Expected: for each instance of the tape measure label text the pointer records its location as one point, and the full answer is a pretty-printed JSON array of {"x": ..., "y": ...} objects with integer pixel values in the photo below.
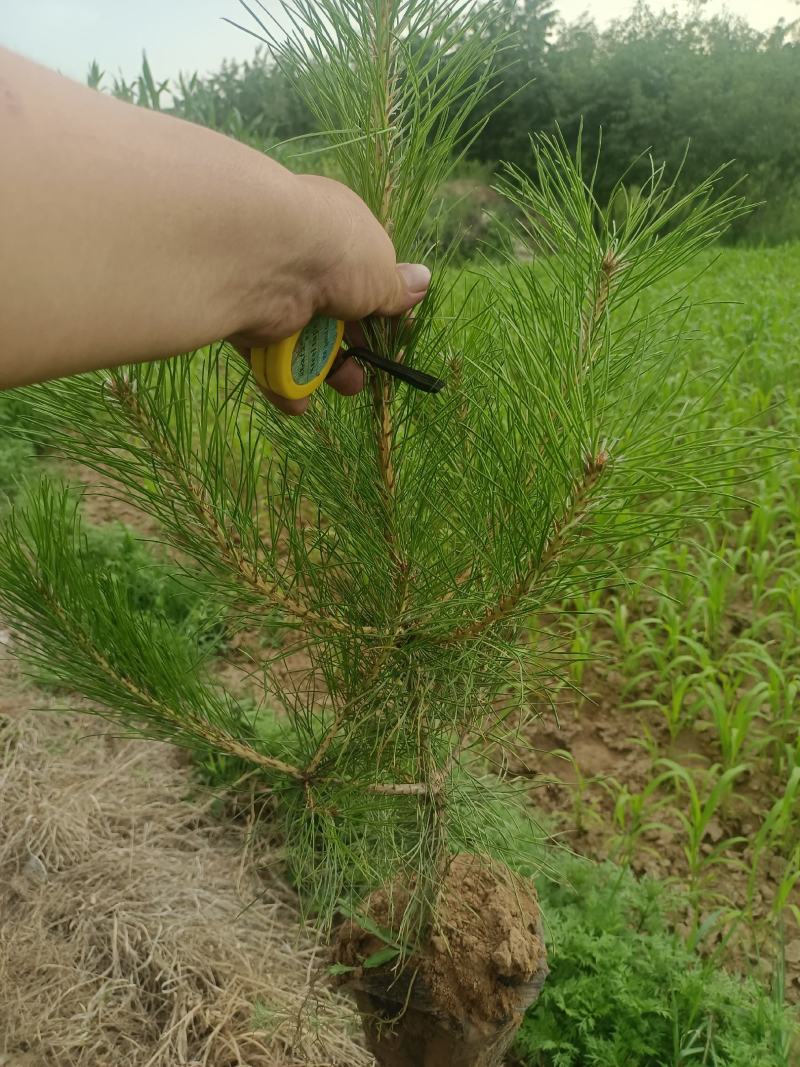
[{"x": 313, "y": 348}]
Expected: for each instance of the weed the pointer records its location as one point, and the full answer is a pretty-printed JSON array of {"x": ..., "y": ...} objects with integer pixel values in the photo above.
[{"x": 624, "y": 990}]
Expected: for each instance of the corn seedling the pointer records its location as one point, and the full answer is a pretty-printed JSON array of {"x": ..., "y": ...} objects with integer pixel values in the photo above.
[
  {"x": 682, "y": 693},
  {"x": 578, "y": 789},
  {"x": 701, "y": 854},
  {"x": 778, "y": 831},
  {"x": 634, "y": 816},
  {"x": 783, "y": 903},
  {"x": 733, "y": 710}
]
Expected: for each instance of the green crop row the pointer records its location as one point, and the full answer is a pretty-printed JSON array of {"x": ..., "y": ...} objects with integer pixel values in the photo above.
[{"x": 698, "y": 658}]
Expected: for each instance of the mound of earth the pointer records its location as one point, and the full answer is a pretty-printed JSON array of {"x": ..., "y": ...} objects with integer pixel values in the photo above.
[{"x": 459, "y": 999}]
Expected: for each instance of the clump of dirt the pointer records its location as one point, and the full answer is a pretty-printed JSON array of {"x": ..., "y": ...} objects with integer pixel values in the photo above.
[
  {"x": 488, "y": 944},
  {"x": 134, "y": 928},
  {"x": 462, "y": 995}
]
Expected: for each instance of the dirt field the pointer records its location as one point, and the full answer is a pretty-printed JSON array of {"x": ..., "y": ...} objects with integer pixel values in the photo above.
[{"x": 580, "y": 761}]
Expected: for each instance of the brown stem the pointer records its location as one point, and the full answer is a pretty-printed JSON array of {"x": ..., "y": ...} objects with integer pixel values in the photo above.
[
  {"x": 384, "y": 55},
  {"x": 382, "y": 398},
  {"x": 401, "y": 789},
  {"x": 599, "y": 296},
  {"x": 382, "y": 386}
]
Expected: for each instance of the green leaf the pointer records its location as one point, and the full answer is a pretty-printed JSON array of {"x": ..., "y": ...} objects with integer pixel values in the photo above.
[{"x": 383, "y": 955}]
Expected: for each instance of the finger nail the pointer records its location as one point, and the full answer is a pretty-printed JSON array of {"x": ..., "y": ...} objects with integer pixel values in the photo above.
[{"x": 416, "y": 276}]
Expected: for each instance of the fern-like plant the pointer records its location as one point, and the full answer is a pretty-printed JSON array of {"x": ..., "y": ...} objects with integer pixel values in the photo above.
[{"x": 402, "y": 538}]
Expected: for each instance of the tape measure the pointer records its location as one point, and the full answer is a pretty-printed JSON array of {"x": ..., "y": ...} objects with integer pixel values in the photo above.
[{"x": 295, "y": 367}]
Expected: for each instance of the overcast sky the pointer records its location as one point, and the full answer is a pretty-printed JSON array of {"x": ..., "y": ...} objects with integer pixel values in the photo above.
[{"x": 190, "y": 35}]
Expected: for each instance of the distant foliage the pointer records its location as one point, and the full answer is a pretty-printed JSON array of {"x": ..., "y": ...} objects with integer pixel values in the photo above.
[
  {"x": 470, "y": 218},
  {"x": 651, "y": 82},
  {"x": 250, "y": 100},
  {"x": 664, "y": 83}
]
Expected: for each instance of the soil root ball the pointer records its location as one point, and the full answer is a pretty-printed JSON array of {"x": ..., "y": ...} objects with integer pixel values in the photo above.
[{"x": 460, "y": 999}]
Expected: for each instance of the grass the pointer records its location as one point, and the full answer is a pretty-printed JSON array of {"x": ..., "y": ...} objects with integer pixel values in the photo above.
[
  {"x": 154, "y": 585},
  {"x": 17, "y": 452}
]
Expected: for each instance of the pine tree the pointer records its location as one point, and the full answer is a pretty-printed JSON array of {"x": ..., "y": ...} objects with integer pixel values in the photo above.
[{"x": 402, "y": 538}]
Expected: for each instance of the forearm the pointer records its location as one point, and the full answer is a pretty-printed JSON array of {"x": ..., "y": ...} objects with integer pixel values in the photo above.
[{"x": 127, "y": 235}]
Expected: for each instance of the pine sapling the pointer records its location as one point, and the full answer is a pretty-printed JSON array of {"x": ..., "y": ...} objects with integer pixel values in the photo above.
[{"x": 407, "y": 541}]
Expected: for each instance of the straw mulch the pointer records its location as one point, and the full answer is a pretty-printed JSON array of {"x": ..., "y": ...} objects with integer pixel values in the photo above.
[{"x": 135, "y": 929}]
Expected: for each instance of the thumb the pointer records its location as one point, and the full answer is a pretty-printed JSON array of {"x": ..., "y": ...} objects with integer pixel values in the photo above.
[{"x": 411, "y": 283}]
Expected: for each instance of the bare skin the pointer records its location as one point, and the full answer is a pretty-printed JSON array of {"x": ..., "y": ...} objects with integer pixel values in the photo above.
[{"x": 127, "y": 235}]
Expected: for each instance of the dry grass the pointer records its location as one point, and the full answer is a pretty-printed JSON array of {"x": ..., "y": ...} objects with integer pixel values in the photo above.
[{"x": 123, "y": 938}]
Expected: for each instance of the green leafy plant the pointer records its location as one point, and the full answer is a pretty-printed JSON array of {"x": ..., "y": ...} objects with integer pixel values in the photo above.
[
  {"x": 154, "y": 585},
  {"x": 625, "y": 990},
  {"x": 702, "y": 807},
  {"x": 634, "y": 814},
  {"x": 403, "y": 539}
]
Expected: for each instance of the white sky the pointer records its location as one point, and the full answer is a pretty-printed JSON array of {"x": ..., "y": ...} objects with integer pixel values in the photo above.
[{"x": 190, "y": 35}]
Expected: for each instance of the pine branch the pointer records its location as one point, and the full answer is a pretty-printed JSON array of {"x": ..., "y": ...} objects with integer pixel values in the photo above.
[
  {"x": 191, "y": 490},
  {"x": 599, "y": 297},
  {"x": 342, "y": 715},
  {"x": 211, "y": 737},
  {"x": 58, "y": 610},
  {"x": 574, "y": 515},
  {"x": 384, "y": 58}
]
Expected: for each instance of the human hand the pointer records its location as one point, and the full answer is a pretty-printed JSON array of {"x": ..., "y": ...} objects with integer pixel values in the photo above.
[{"x": 345, "y": 267}]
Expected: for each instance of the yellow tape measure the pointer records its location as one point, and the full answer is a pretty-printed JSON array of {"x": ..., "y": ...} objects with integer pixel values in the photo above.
[{"x": 295, "y": 367}]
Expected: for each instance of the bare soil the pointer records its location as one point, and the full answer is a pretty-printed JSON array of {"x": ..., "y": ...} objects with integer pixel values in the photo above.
[
  {"x": 576, "y": 762},
  {"x": 102, "y": 503}
]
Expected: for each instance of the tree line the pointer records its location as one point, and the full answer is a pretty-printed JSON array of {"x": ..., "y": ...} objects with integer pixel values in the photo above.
[{"x": 696, "y": 92}]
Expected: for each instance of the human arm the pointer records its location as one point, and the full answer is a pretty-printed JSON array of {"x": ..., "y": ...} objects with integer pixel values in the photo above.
[{"x": 130, "y": 235}]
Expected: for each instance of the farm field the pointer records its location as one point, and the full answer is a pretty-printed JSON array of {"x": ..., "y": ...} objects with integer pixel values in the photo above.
[
  {"x": 672, "y": 750},
  {"x": 678, "y": 751}
]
